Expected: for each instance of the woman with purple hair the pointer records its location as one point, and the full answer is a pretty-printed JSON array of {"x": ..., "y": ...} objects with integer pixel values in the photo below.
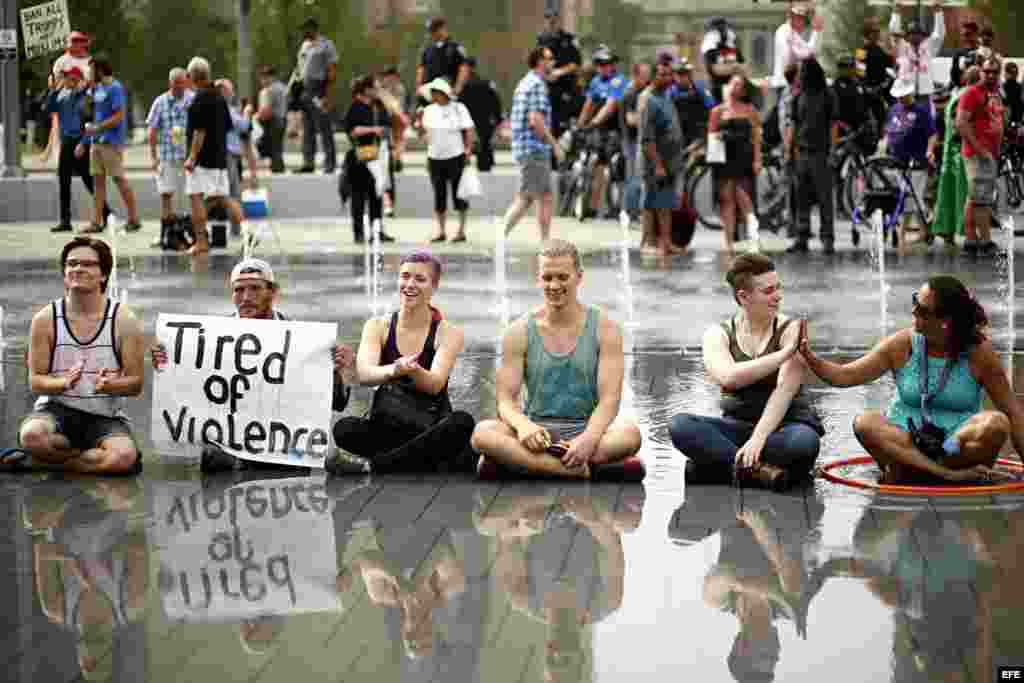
[{"x": 408, "y": 357}]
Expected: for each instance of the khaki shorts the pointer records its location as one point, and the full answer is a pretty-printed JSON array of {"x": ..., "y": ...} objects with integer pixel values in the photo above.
[
  {"x": 981, "y": 180},
  {"x": 170, "y": 177},
  {"x": 107, "y": 160},
  {"x": 535, "y": 175}
]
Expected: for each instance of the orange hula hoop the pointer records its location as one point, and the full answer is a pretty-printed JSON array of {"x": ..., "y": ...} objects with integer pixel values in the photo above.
[{"x": 923, "y": 490}]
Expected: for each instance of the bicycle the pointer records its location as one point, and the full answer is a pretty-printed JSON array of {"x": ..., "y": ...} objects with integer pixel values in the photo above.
[
  {"x": 888, "y": 177},
  {"x": 1010, "y": 182},
  {"x": 772, "y": 188},
  {"x": 576, "y": 174},
  {"x": 850, "y": 159}
]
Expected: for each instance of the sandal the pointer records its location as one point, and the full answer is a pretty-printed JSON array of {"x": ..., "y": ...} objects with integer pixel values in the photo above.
[
  {"x": 91, "y": 229},
  {"x": 458, "y": 238},
  {"x": 439, "y": 238}
]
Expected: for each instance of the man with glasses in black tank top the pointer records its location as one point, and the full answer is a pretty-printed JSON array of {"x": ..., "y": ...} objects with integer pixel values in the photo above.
[
  {"x": 768, "y": 433},
  {"x": 570, "y": 357},
  {"x": 85, "y": 355}
]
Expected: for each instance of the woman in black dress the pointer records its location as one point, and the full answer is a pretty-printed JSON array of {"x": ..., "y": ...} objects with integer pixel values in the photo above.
[{"x": 740, "y": 127}]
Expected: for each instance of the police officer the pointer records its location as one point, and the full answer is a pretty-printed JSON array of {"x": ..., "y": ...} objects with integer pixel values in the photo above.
[
  {"x": 562, "y": 79},
  {"x": 443, "y": 58},
  {"x": 604, "y": 94},
  {"x": 484, "y": 105},
  {"x": 850, "y": 93}
]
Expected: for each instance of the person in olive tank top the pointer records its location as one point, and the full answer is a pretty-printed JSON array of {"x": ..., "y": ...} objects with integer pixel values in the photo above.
[
  {"x": 768, "y": 433},
  {"x": 85, "y": 356},
  {"x": 570, "y": 358}
]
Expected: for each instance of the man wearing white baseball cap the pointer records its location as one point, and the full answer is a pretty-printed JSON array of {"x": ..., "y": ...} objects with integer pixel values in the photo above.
[{"x": 254, "y": 292}]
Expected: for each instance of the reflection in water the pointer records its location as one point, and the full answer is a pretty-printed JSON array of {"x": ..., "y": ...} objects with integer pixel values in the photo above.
[
  {"x": 244, "y": 551},
  {"x": 760, "y": 575},
  {"x": 90, "y": 564},
  {"x": 559, "y": 561},
  {"x": 939, "y": 572}
]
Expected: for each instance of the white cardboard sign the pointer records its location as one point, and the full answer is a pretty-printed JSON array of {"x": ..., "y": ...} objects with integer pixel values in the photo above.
[
  {"x": 45, "y": 28},
  {"x": 256, "y": 549},
  {"x": 261, "y": 389}
]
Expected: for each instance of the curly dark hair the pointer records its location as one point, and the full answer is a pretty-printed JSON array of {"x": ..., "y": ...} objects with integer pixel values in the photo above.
[{"x": 967, "y": 318}]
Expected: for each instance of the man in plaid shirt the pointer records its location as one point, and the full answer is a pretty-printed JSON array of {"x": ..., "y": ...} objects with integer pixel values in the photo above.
[
  {"x": 533, "y": 143},
  {"x": 168, "y": 120}
]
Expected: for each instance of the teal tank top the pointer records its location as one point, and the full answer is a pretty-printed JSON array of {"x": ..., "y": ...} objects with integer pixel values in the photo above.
[
  {"x": 954, "y": 405},
  {"x": 562, "y": 385}
]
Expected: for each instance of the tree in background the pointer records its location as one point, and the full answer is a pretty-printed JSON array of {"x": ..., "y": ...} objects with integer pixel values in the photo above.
[{"x": 845, "y": 28}]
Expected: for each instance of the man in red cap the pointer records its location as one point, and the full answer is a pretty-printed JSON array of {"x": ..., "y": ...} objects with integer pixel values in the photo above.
[{"x": 76, "y": 54}]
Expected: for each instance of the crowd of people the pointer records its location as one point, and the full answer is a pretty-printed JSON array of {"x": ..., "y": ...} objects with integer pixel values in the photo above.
[{"x": 883, "y": 96}]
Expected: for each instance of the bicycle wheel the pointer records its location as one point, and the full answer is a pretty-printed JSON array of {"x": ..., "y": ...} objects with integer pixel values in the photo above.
[
  {"x": 581, "y": 195},
  {"x": 844, "y": 207},
  {"x": 704, "y": 197},
  {"x": 877, "y": 175},
  {"x": 772, "y": 189},
  {"x": 566, "y": 190}
]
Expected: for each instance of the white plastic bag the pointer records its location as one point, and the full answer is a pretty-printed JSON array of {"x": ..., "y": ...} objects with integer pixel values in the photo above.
[
  {"x": 714, "y": 153},
  {"x": 469, "y": 183}
]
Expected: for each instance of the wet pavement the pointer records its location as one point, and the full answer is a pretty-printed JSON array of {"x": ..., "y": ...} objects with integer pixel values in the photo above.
[{"x": 439, "y": 578}]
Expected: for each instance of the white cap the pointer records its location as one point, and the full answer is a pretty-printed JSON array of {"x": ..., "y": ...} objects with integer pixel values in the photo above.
[
  {"x": 436, "y": 84},
  {"x": 253, "y": 269},
  {"x": 798, "y": 9}
]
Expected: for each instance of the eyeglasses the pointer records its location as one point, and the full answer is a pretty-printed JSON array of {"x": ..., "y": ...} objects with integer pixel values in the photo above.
[
  {"x": 921, "y": 311},
  {"x": 81, "y": 263}
]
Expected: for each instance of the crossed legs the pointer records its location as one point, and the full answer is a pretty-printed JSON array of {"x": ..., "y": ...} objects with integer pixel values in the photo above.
[
  {"x": 981, "y": 438},
  {"x": 496, "y": 440},
  {"x": 114, "y": 454}
]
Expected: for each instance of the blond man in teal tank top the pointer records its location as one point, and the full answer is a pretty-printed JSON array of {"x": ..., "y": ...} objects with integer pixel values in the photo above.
[{"x": 570, "y": 358}]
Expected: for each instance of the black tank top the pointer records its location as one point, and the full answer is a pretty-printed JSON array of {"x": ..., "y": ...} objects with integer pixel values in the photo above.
[
  {"x": 748, "y": 403},
  {"x": 390, "y": 353}
]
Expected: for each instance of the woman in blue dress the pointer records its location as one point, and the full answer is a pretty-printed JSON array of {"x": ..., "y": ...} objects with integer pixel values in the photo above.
[{"x": 934, "y": 426}]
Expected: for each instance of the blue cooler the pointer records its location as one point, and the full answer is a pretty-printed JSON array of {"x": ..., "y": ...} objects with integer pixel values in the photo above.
[{"x": 255, "y": 203}]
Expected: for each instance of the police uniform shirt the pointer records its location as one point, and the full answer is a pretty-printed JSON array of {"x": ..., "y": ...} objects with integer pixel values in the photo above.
[
  {"x": 603, "y": 89},
  {"x": 851, "y": 101},
  {"x": 481, "y": 98},
  {"x": 443, "y": 60},
  {"x": 566, "y": 50}
]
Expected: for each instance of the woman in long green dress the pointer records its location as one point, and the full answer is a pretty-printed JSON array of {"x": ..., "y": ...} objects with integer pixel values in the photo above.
[{"x": 952, "y": 194}]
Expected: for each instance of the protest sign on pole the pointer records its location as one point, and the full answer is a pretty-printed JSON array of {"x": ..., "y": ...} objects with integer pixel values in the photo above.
[
  {"x": 257, "y": 549},
  {"x": 45, "y": 28},
  {"x": 260, "y": 389}
]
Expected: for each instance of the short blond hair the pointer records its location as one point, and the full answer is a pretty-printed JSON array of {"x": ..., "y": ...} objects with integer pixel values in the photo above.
[{"x": 557, "y": 248}]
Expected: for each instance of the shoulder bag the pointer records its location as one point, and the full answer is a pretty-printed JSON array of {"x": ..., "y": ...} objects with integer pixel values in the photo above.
[
  {"x": 369, "y": 151},
  {"x": 400, "y": 407}
]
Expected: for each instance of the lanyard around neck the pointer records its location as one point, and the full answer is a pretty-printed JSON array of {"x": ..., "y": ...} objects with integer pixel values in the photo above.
[{"x": 926, "y": 395}]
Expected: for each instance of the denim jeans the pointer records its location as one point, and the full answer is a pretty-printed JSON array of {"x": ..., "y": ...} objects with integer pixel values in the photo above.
[{"x": 713, "y": 441}]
